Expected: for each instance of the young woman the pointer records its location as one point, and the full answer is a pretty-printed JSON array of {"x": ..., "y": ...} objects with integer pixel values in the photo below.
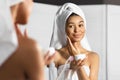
[{"x": 69, "y": 38}]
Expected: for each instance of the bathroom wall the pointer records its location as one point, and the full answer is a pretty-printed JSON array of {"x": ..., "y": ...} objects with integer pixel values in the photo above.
[{"x": 113, "y": 42}]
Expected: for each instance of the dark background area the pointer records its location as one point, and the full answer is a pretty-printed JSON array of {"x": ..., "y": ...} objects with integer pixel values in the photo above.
[{"x": 79, "y": 2}]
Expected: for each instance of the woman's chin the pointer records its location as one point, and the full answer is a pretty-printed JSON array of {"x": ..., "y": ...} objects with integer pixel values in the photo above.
[{"x": 76, "y": 40}]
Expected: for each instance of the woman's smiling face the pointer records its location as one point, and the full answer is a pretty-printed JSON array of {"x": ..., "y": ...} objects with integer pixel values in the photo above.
[{"x": 75, "y": 28}]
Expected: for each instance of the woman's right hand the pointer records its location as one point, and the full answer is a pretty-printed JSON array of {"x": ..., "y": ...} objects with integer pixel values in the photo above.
[
  {"x": 75, "y": 65},
  {"x": 72, "y": 50},
  {"x": 49, "y": 58}
]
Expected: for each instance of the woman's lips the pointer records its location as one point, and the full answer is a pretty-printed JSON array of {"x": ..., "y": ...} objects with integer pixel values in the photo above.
[{"x": 76, "y": 35}]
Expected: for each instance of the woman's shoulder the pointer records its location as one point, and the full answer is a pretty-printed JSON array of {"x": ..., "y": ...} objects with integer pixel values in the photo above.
[
  {"x": 61, "y": 56},
  {"x": 58, "y": 57},
  {"x": 93, "y": 55},
  {"x": 61, "y": 51}
]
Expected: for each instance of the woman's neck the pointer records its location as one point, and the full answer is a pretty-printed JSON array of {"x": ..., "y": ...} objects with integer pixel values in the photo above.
[{"x": 76, "y": 44}]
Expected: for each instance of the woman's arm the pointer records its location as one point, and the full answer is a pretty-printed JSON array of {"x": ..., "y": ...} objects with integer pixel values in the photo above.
[{"x": 94, "y": 67}]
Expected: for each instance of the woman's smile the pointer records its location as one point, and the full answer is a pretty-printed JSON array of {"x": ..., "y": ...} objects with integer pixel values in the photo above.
[{"x": 76, "y": 35}]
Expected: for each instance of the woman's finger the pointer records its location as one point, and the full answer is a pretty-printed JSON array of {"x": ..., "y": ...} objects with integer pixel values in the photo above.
[
  {"x": 46, "y": 55},
  {"x": 83, "y": 62},
  {"x": 71, "y": 47},
  {"x": 70, "y": 51},
  {"x": 18, "y": 31},
  {"x": 70, "y": 43},
  {"x": 49, "y": 58},
  {"x": 78, "y": 62},
  {"x": 77, "y": 65},
  {"x": 26, "y": 33},
  {"x": 85, "y": 59}
]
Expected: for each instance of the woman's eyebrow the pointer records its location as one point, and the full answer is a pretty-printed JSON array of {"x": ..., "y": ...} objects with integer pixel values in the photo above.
[
  {"x": 81, "y": 21},
  {"x": 70, "y": 23}
]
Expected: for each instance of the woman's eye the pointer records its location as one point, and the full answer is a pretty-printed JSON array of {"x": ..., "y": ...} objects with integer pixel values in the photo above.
[
  {"x": 71, "y": 26},
  {"x": 81, "y": 25}
]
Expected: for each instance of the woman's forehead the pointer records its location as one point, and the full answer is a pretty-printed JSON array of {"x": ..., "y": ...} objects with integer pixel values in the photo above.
[{"x": 75, "y": 18}]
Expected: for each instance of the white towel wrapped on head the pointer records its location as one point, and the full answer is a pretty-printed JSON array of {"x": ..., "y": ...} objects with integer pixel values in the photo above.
[{"x": 59, "y": 38}]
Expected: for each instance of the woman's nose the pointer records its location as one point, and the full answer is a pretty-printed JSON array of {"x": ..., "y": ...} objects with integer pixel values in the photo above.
[{"x": 77, "y": 29}]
